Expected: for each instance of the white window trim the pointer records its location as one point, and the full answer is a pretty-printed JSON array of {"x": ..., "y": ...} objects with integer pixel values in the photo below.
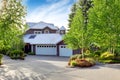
[{"x": 37, "y": 32}]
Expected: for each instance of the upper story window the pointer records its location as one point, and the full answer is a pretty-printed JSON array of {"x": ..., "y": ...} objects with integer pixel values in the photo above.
[
  {"x": 46, "y": 31},
  {"x": 37, "y": 32}
]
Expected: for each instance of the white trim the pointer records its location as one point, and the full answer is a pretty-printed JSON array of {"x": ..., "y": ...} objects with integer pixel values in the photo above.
[
  {"x": 37, "y": 32},
  {"x": 46, "y": 50}
]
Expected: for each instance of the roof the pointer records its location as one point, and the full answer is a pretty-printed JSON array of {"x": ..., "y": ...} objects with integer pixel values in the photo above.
[
  {"x": 62, "y": 28},
  {"x": 43, "y": 39},
  {"x": 42, "y": 25},
  {"x": 30, "y": 24}
]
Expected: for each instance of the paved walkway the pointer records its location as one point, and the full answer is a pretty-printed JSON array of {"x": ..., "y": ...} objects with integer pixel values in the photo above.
[{"x": 54, "y": 68}]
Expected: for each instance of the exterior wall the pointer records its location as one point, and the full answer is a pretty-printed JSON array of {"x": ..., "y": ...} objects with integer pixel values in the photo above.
[
  {"x": 60, "y": 43},
  {"x": 50, "y": 30},
  {"x": 77, "y": 51},
  {"x": 34, "y": 49},
  {"x": 57, "y": 50},
  {"x": 27, "y": 48},
  {"x": 31, "y": 31}
]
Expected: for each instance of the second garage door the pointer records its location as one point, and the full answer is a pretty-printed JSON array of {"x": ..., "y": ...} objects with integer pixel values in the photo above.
[
  {"x": 64, "y": 51},
  {"x": 46, "y": 50}
]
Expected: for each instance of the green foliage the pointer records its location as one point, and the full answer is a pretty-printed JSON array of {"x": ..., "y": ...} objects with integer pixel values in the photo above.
[
  {"x": 12, "y": 25},
  {"x": 104, "y": 22},
  {"x": 115, "y": 61},
  {"x": 73, "y": 63},
  {"x": 105, "y": 61},
  {"x": 1, "y": 56},
  {"x": 78, "y": 26},
  {"x": 76, "y": 56},
  {"x": 107, "y": 56},
  {"x": 31, "y": 53},
  {"x": 17, "y": 54},
  {"x": 91, "y": 60},
  {"x": 72, "y": 14}
]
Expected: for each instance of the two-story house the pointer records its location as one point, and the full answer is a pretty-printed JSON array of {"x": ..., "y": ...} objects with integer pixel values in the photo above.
[{"x": 46, "y": 39}]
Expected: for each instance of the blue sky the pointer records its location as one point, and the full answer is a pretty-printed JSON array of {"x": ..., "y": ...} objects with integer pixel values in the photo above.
[{"x": 50, "y": 11}]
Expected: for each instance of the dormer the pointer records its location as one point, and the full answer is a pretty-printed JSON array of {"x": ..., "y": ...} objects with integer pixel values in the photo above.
[
  {"x": 62, "y": 30},
  {"x": 46, "y": 31}
]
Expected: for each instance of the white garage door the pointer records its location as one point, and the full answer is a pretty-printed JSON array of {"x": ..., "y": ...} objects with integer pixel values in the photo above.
[
  {"x": 46, "y": 50},
  {"x": 64, "y": 51}
]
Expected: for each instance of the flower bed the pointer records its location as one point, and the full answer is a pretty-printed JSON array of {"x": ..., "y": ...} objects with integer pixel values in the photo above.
[{"x": 77, "y": 61}]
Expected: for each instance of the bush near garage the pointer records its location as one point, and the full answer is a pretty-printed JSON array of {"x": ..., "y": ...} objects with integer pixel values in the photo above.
[
  {"x": 31, "y": 53},
  {"x": 17, "y": 54}
]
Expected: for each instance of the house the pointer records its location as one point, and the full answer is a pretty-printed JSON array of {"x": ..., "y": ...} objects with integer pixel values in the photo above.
[{"x": 46, "y": 39}]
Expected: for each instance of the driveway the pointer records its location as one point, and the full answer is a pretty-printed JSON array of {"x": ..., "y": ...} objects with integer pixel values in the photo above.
[{"x": 54, "y": 68}]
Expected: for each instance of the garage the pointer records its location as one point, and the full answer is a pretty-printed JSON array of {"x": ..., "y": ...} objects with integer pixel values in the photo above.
[
  {"x": 46, "y": 50},
  {"x": 64, "y": 51}
]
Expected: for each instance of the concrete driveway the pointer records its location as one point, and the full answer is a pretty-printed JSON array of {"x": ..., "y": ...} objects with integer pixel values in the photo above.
[{"x": 54, "y": 68}]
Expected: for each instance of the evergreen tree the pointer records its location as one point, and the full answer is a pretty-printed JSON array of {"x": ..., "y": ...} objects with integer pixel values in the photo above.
[{"x": 71, "y": 16}]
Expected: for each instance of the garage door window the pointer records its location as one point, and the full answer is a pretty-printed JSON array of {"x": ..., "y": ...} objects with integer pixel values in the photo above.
[
  {"x": 63, "y": 46},
  {"x": 48, "y": 46}
]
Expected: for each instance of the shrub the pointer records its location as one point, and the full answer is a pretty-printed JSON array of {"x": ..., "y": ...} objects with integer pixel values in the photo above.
[
  {"x": 1, "y": 56},
  {"x": 87, "y": 62},
  {"x": 105, "y": 61},
  {"x": 31, "y": 53},
  {"x": 91, "y": 60},
  {"x": 97, "y": 53},
  {"x": 77, "y": 60},
  {"x": 73, "y": 63},
  {"x": 73, "y": 57},
  {"x": 83, "y": 63},
  {"x": 17, "y": 54},
  {"x": 89, "y": 55},
  {"x": 107, "y": 56}
]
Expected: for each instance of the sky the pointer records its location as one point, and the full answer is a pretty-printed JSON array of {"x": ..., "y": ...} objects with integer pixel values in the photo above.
[{"x": 50, "y": 11}]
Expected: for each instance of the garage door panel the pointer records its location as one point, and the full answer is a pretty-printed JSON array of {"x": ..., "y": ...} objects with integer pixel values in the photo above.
[
  {"x": 64, "y": 51},
  {"x": 46, "y": 50}
]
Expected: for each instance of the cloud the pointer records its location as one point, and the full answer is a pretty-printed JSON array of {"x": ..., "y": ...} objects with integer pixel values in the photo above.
[{"x": 56, "y": 13}]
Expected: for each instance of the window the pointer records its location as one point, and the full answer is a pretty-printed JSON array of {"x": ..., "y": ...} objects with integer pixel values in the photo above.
[
  {"x": 46, "y": 31},
  {"x": 32, "y": 36},
  {"x": 37, "y": 32},
  {"x": 63, "y": 46}
]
